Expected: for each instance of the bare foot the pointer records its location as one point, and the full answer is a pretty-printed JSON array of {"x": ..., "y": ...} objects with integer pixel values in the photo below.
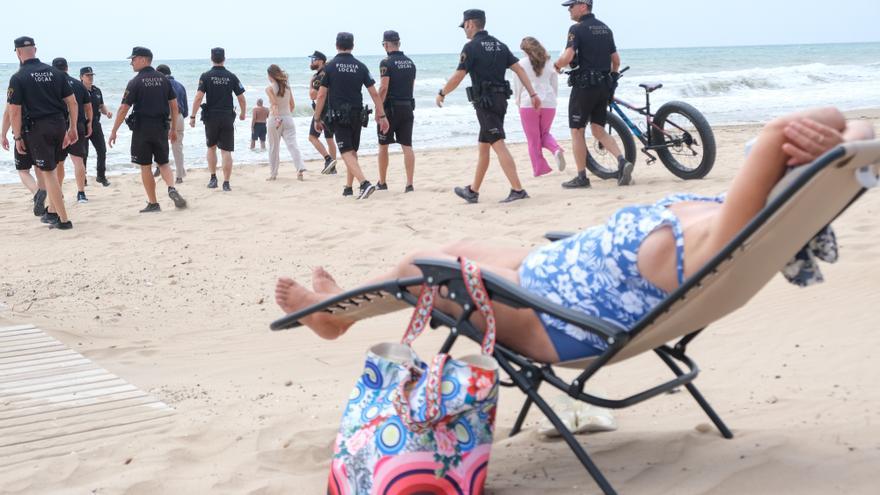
[
  {"x": 323, "y": 282},
  {"x": 291, "y": 297}
]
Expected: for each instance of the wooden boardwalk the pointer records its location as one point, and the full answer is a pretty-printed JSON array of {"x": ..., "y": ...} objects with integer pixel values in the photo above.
[{"x": 54, "y": 401}]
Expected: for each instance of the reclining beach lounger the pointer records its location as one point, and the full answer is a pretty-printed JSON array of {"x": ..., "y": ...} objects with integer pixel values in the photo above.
[{"x": 802, "y": 204}]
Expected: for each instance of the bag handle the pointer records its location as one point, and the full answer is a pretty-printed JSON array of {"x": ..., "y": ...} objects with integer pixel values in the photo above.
[
  {"x": 433, "y": 397},
  {"x": 421, "y": 315},
  {"x": 473, "y": 281}
]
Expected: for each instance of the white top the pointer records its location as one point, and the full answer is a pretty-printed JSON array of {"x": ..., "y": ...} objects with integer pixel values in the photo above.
[
  {"x": 546, "y": 86},
  {"x": 282, "y": 101}
]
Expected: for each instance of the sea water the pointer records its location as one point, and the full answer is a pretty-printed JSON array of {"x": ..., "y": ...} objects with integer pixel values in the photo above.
[{"x": 730, "y": 85}]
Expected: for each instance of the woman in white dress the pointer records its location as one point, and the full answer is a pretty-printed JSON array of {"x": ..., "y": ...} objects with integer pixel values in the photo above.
[{"x": 280, "y": 122}]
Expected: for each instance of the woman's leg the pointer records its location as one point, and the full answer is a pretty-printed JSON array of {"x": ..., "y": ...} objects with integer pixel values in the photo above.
[
  {"x": 547, "y": 139},
  {"x": 289, "y": 134},
  {"x": 274, "y": 148},
  {"x": 532, "y": 127}
]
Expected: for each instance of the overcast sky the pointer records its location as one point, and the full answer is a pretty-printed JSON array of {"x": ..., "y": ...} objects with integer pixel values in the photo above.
[{"x": 105, "y": 30}]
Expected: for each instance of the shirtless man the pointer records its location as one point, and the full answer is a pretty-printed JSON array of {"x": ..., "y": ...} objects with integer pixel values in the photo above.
[{"x": 258, "y": 125}]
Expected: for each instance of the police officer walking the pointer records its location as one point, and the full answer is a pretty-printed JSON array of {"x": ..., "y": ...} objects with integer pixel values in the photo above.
[
  {"x": 318, "y": 61},
  {"x": 344, "y": 76},
  {"x": 87, "y": 76},
  {"x": 154, "y": 102},
  {"x": 80, "y": 149},
  {"x": 591, "y": 46},
  {"x": 217, "y": 87},
  {"x": 182, "y": 114},
  {"x": 398, "y": 79},
  {"x": 38, "y": 97},
  {"x": 486, "y": 60}
]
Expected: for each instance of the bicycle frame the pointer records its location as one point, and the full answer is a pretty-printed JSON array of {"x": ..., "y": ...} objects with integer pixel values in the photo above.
[{"x": 646, "y": 137}]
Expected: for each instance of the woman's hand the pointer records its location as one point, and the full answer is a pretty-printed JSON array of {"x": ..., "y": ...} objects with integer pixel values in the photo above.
[{"x": 808, "y": 140}]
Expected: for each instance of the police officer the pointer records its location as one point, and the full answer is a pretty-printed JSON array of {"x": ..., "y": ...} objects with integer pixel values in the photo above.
[
  {"x": 340, "y": 92},
  {"x": 80, "y": 149},
  {"x": 41, "y": 94},
  {"x": 182, "y": 114},
  {"x": 486, "y": 60},
  {"x": 591, "y": 47},
  {"x": 154, "y": 102},
  {"x": 398, "y": 79},
  {"x": 318, "y": 61},
  {"x": 217, "y": 86},
  {"x": 87, "y": 76},
  {"x": 23, "y": 165}
]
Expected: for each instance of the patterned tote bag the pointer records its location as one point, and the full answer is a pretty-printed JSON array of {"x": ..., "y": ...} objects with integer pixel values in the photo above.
[{"x": 412, "y": 427}]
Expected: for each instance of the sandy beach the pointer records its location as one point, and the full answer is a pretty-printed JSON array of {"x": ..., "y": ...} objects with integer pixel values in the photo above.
[{"x": 179, "y": 305}]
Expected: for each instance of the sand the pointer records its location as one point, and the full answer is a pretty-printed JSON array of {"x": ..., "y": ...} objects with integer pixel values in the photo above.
[{"x": 179, "y": 305}]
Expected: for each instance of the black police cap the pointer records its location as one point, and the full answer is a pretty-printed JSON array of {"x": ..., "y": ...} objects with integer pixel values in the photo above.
[
  {"x": 344, "y": 37},
  {"x": 318, "y": 56},
  {"x": 391, "y": 36},
  {"x": 23, "y": 42},
  {"x": 163, "y": 69},
  {"x": 86, "y": 71},
  {"x": 60, "y": 63},
  {"x": 569, "y": 3},
  {"x": 472, "y": 14},
  {"x": 140, "y": 51}
]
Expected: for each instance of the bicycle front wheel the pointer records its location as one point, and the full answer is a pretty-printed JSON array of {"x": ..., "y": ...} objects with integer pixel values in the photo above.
[
  {"x": 602, "y": 162},
  {"x": 685, "y": 140}
]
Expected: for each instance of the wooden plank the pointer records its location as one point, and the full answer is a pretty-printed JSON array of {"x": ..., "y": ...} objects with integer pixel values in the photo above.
[
  {"x": 15, "y": 328},
  {"x": 36, "y": 362},
  {"x": 49, "y": 347},
  {"x": 29, "y": 357},
  {"x": 10, "y": 444},
  {"x": 22, "y": 370},
  {"x": 16, "y": 377},
  {"x": 14, "y": 387},
  {"x": 61, "y": 426},
  {"x": 108, "y": 381},
  {"x": 83, "y": 410},
  {"x": 71, "y": 404},
  {"x": 18, "y": 346},
  {"x": 22, "y": 334},
  {"x": 72, "y": 396}
]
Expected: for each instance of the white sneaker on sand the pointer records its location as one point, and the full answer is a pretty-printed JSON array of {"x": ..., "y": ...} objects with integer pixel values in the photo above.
[
  {"x": 560, "y": 159},
  {"x": 578, "y": 417}
]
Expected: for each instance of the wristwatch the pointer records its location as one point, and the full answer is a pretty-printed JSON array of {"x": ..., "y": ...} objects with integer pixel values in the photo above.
[
  {"x": 441, "y": 93},
  {"x": 17, "y": 138}
]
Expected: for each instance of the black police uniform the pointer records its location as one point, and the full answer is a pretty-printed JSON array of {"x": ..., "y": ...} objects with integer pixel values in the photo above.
[
  {"x": 591, "y": 82},
  {"x": 81, "y": 147},
  {"x": 486, "y": 60},
  {"x": 23, "y": 161},
  {"x": 97, "y": 137},
  {"x": 316, "y": 85},
  {"x": 40, "y": 89},
  {"x": 218, "y": 111},
  {"x": 344, "y": 76},
  {"x": 150, "y": 94},
  {"x": 399, "y": 103}
]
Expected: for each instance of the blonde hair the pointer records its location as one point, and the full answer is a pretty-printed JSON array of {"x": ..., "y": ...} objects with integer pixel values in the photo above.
[
  {"x": 280, "y": 77},
  {"x": 536, "y": 52}
]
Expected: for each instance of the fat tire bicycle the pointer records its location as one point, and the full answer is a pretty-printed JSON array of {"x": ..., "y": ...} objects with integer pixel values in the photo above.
[{"x": 678, "y": 133}]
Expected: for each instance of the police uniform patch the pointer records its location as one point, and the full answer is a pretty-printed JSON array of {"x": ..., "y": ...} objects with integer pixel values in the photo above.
[
  {"x": 570, "y": 37},
  {"x": 384, "y": 71},
  {"x": 9, "y": 93},
  {"x": 463, "y": 58}
]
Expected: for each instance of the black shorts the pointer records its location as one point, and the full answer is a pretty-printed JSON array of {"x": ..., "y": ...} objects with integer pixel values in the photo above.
[
  {"x": 492, "y": 120},
  {"x": 400, "y": 130},
  {"x": 259, "y": 132},
  {"x": 149, "y": 144},
  {"x": 44, "y": 142},
  {"x": 348, "y": 136},
  {"x": 80, "y": 148},
  {"x": 328, "y": 132},
  {"x": 220, "y": 132},
  {"x": 23, "y": 162},
  {"x": 588, "y": 105}
]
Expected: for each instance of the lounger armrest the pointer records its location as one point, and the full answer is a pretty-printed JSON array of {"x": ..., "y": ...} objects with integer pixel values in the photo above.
[
  {"x": 557, "y": 235},
  {"x": 448, "y": 274}
]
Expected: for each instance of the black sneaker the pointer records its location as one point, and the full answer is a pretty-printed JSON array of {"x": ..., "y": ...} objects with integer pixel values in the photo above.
[
  {"x": 366, "y": 190},
  {"x": 467, "y": 194},
  {"x": 50, "y": 218},
  {"x": 81, "y": 197},
  {"x": 409, "y": 189},
  {"x": 156, "y": 173},
  {"x": 226, "y": 186},
  {"x": 577, "y": 183},
  {"x": 103, "y": 181},
  {"x": 624, "y": 173},
  {"x": 347, "y": 191},
  {"x": 515, "y": 196},
  {"x": 381, "y": 187},
  {"x": 212, "y": 184},
  {"x": 61, "y": 225},
  {"x": 329, "y": 166},
  {"x": 40, "y": 203},
  {"x": 152, "y": 208},
  {"x": 175, "y": 196}
]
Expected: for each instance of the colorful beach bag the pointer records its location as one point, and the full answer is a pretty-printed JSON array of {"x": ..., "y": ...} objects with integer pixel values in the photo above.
[{"x": 412, "y": 427}]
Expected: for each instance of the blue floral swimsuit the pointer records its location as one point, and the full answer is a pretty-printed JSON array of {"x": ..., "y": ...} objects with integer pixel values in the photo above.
[{"x": 596, "y": 271}]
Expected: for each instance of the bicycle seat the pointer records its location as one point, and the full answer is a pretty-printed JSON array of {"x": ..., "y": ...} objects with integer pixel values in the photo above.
[{"x": 651, "y": 87}]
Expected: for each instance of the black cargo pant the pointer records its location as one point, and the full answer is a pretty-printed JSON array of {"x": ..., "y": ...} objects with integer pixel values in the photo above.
[{"x": 97, "y": 139}]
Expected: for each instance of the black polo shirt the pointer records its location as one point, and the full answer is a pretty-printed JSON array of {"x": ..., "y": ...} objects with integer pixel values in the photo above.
[
  {"x": 486, "y": 59},
  {"x": 219, "y": 85},
  {"x": 40, "y": 89},
  {"x": 593, "y": 43},
  {"x": 83, "y": 98},
  {"x": 401, "y": 73},
  {"x": 97, "y": 98},
  {"x": 344, "y": 76},
  {"x": 149, "y": 93}
]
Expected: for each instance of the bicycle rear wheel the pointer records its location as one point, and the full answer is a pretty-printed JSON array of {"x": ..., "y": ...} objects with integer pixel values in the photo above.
[
  {"x": 603, "y": 163},
  {"x": 688, "y": 141}
]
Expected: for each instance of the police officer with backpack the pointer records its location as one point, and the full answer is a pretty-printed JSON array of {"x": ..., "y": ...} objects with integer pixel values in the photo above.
[
  {"x": 592, "y": 51},
  {"x": 486, "y": 60}
]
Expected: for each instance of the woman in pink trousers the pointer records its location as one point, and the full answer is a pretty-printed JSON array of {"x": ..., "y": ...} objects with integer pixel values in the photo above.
[{"x": 536, "y": 123}]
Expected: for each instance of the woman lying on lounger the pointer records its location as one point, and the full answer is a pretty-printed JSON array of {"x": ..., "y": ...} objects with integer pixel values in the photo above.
[{"x": 619, "y": 270}]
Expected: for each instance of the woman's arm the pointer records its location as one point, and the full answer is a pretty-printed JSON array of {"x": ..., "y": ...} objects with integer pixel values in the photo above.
[
  {"x": 273, "y": 101},
  {"x": 292, "y": 104},
  {"x": 517, "y": 91}
]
